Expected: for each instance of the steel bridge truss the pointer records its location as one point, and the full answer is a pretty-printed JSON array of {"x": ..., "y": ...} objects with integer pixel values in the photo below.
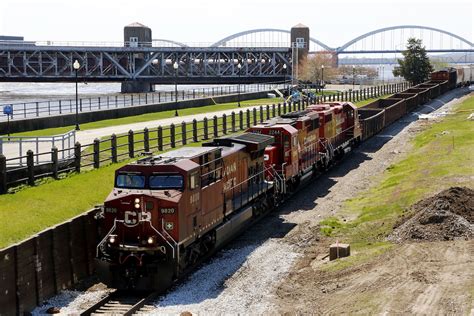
[{"x": 154, "y": 65}]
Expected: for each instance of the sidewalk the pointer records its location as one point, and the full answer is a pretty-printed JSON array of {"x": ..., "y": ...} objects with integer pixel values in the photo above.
[{"x": 88, "y": 136}]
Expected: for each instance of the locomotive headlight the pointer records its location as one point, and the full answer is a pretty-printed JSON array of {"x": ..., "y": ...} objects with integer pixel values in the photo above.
[
  {"x": 137, "y": 200},
  {"x": 137, "y": 205},
  {"x": 111, "y": 239},
  {"x": 150, "y": 240}
]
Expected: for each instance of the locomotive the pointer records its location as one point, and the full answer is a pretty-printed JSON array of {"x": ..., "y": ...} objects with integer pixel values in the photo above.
[{"x": 167, "y": 212}]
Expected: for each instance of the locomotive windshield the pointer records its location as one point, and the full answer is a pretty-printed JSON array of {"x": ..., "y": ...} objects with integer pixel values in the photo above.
[
  {"x": 130, "y": 181},
  {"x": 166, "y": 181}
]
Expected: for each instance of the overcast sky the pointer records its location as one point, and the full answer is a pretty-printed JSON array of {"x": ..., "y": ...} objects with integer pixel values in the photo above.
[{"x": 333, "y": 22}]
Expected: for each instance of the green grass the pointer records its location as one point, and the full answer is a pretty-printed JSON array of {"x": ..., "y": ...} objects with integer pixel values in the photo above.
[
  {"x": 370, "y": 100},
  {"x": 442, "y": 156},
  {"x": 150, "y": 117}
]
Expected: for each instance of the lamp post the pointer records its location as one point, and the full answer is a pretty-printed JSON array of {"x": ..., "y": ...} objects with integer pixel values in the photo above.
[
  {"x": 383, "y": 76},
  {"x": 322, "y": 82},
  {"x": 239, "y": 66},
  {"x": 175, "y": 66},
  {"x": 284, "y": 80},
  {"x": 353, "y": 77},
  {"x": 76, "y": 67}
]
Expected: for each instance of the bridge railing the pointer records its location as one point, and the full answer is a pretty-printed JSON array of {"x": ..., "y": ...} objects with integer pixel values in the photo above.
[
  {"x": 153, "y": 43},
  {"x": 35, "y": 109}
]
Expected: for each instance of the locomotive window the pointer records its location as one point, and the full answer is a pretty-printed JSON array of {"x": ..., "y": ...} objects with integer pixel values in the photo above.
[
  {"x": 130, "y": 181},
  {"x": 166, "y": 181},
  {"x": 193, "y": 181}
]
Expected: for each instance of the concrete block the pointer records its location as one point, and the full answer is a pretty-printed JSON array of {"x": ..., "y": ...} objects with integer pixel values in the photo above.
[{"x": 339, "y": 251}]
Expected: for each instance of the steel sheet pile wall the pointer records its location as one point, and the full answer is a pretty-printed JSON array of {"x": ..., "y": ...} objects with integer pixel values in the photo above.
[{"x": 42, "y": 266}]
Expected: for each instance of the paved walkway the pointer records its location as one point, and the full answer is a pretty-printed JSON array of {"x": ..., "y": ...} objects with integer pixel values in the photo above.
[{"x": 88, "y": 136}]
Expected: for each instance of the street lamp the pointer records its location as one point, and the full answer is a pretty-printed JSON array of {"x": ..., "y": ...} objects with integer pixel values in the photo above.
[
  {"x": 284, "y": 81},
  {"x": 383, "y": 76},
  {"x": 353, "y": 77},
  {"x": 175, "y": 66},
  {"x": 76, "y": 67},
  {"x": 322, "y": 82},
  {"x": 239, "y": 66}
]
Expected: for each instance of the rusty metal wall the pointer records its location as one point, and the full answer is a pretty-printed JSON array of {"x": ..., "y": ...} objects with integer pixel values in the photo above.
[{"x": 36, "y": 269}]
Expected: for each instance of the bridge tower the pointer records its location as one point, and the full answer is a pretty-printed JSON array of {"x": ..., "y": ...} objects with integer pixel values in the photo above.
[
  {"x": 299, "y": 46},
  {"x": 137, "y": 35}
]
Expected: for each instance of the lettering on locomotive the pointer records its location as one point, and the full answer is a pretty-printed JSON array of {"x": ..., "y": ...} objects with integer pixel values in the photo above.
[
  {"x": 132, "y": 218},
  {"x": 167, "y": 210}
]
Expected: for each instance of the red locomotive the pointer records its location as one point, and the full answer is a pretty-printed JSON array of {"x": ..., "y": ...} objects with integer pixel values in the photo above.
[{"x": 168, "y": 211}]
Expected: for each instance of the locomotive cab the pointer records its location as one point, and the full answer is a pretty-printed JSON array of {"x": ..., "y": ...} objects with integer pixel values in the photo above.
[{"x": 282, "y": 155}]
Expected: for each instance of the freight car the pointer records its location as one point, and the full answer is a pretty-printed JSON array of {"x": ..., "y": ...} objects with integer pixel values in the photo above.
[{"x": 167, "y": 212}]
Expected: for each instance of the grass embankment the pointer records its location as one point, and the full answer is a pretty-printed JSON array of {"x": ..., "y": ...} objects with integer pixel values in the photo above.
[
  {"x": 151, "y": 117},
  {"x": 33, "y": 209},
  {"x": 365, "y": 102},
  {"x": 442, "y": 157}
]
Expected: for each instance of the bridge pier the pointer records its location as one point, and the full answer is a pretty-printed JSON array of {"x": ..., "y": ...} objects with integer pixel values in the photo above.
[{"x": 137, "y": 87}]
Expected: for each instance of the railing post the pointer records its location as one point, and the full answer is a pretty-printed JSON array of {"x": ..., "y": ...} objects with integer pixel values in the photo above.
[
  {"x": 3, "y": 174},
  {"x": 54, "y": 159},
  {"x": 216, "y": 131},
  {"x": 268, "y": 112},
  {"x": 284, "y": 107},
  {"x": 279, "y": 109},
  {"x": 273, "y": 110},
  {"x": 96, "y": 153},
  {"x": 131, "y": 144},
  {"x": 261, "y": 113},
  {"x": 195, "y": 131},
  {"x": 146, "y": 139},
  {"x": 241, "y": 120},
  {"x": 248, "y": 118},
  {"x": 37, "y": 108},
  {"x": 113, "y": 148},
  {"x": 60, "y": 107},
  {"x": 30, "y": 163},
  {"x": 184, "y": 136},
  {"x": 254, "y": 112},
  {"x": 160, "y": 138},
  {"x": 172, "y": 135},
  {"x": 232, "y": 121},
  {"x": 77, "y": 157},
  {"x": 224, "y": 124},
  {"x": 206, "y": 128},
  {"x": 299, "y": 105}
]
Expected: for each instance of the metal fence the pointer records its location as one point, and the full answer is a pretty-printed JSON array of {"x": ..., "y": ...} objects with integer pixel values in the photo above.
[
  {"x": 104, "y": 102},
  {"x": 135, "y": 143},
  {"x": 18, "y": 146}
]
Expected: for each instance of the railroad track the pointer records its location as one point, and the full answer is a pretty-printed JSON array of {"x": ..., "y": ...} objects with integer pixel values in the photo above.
[{"x": 122, "y": 303}]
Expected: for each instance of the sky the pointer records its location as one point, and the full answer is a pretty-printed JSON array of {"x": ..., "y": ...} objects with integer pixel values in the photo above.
[{"x": 333, "y": 22}]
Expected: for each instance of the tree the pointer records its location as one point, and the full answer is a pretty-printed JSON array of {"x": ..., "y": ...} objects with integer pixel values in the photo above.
[
  {"x": 310, "y": 68},
  {"x": 416, "y": 66}
]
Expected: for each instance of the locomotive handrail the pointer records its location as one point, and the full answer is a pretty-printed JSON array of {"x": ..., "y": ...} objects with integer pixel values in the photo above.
[
  {"x": 163, "y": 228},
  {"x": 106, "y": 236}
]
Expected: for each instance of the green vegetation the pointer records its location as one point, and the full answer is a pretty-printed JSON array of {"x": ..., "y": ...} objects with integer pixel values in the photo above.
[
  {"x": 150, "y": 117},
  {"x": 442, "y": 156},
  {"x": 365, "y": 102},
  {"x": 415, "y": 66}
]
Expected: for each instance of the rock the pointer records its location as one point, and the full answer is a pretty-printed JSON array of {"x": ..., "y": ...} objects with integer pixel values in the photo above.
[{"x": 53, "y": 310}]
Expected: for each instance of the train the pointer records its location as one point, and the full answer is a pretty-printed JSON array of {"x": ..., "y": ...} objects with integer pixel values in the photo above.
[{"x": 168, "y": 212}]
